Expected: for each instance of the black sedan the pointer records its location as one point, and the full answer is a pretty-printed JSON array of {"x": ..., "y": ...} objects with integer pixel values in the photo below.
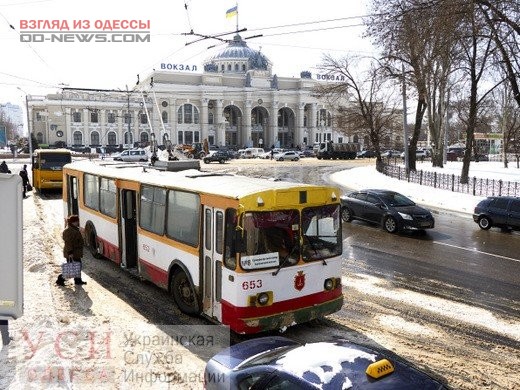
[
  {"x": 389, "y": 209},
  {"x": 280, "y": 363}
]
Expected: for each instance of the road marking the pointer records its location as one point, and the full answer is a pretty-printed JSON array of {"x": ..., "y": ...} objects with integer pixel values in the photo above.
[{"x": 477, "y": 251}]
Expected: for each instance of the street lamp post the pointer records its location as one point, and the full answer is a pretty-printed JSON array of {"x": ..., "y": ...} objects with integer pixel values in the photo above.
[{"x": 28, "y": 125}]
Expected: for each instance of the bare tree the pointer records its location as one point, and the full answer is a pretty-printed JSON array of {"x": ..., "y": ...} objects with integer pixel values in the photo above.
[
  {"x": 421, "y": 35},
  {"x": 365, "y": 103},
  {"x": 502, "y": 18},
  {"x": 508, "y": 120}
]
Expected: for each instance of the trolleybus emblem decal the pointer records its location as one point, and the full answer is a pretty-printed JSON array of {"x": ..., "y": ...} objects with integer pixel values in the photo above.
[{"x": 299, "y": 281}]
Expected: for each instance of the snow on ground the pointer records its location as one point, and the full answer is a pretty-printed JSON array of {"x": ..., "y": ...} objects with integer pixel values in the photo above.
[
  {"x": 79, "y": 338},
  {"x": 368, "y": 177}
]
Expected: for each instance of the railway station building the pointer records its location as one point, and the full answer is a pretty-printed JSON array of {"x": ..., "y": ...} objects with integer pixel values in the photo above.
[{"x": 234, "y": 101}]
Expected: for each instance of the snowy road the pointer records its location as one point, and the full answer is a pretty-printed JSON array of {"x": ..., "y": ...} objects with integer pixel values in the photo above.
[{"x": 438, "y": 326}]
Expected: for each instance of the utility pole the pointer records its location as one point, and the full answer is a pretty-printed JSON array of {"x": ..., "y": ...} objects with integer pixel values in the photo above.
[
  {"x": 129, "y": 116},
  {"x": 28, "y": 125}
]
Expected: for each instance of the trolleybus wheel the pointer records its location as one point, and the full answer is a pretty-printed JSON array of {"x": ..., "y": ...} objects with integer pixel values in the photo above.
[
  {"x": 91, "y": 241},
  {"x": 184, "y": 294}
]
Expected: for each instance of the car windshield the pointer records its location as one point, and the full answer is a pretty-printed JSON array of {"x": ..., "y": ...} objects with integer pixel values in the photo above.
[
  {"x": 54, "y": 161},
  {"x": 396, "y": 200}
]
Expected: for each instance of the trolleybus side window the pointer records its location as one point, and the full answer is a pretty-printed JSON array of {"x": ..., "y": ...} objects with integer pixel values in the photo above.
[
  {"x": 152, "y": 210},
  {"x": 183, "y": 217},
  {"x": 107, "y": 197},
  {"x": 91, "y": 192},
  {"x": 219, "y": 234},
  {"x": 100, "y": 194}
]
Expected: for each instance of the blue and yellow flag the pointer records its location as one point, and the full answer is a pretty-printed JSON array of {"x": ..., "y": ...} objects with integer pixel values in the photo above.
[{"x": 232, "y": 12}]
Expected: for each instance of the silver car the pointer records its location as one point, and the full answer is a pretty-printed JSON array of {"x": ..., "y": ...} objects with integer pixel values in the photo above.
[{"x": 132, "y": 155}]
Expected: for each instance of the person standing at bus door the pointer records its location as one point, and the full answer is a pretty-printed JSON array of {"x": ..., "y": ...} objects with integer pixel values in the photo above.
[
  {"x": 73, "y": 246},
  {"x": 25, "y": 179}
]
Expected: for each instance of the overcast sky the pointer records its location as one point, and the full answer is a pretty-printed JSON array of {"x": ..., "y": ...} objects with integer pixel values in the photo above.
[{"x": 41, "y": 67}]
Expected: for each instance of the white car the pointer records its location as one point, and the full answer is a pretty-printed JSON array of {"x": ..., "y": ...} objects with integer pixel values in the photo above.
[
  {"x": 288, "y": 155},
  {"x": 132, "y": 155}
]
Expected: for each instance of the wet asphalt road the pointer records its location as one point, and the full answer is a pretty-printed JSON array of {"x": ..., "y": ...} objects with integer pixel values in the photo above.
[{"x": 482, "y": 266}]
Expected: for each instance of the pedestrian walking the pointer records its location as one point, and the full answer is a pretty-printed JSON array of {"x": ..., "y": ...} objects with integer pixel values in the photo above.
[
  {"x": 73, "y": 247},
  {"x": 25, "y": 180}
]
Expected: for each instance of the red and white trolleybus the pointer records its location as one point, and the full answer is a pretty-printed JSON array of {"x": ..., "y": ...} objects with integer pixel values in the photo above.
[{"x": 254, "y": 254}]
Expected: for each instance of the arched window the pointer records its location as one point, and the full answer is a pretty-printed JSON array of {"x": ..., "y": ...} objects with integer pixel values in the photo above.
[
  {"x": 112, "y": 138},
  {"x": 210, "y": 118},
  {"x": 188, "y": 113},
  {"x": 144, "y": 137},
  {"x": 236, "y": 67},
  {"x": 243, "y": 67},
  {"x": 229, "y": 67},
  {"x": 128, "y": 138},
  {"x": 143, "y": 119},
  {"x": 164, "y": 116},
  {"x": 94, "y": 138},
  {"x": 77, "y": 138}
]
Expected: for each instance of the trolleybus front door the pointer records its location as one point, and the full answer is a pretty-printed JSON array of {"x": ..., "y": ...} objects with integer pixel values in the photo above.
[
  {"x": 72, "y": 195},
  {"x": 213, "y": 242},
  {"x": 128, "y": 232}
]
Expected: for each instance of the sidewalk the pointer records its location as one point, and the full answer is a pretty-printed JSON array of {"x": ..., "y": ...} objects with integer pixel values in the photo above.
[{"x": 464, "y": 204}]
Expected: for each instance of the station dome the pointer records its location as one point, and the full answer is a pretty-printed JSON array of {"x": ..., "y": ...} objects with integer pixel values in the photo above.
[{"x": 237, "y": 57}]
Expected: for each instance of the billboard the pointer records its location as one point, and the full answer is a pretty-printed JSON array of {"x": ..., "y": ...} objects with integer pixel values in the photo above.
[
  {"x": 11, "y": 264},
  {"x": 3, "y": 136}
]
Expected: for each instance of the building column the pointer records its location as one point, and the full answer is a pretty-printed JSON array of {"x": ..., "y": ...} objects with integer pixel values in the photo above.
[
  {"x": 273, "y": 131},
  {"x": 312, "y": 127},
  {"x": 86, "y": 132},
  {"x": 103, "y": 137},
  {"x": 173, "y": 122},
  {"x": 221, "y": 131},
  {"x": 68, "y": 131},
  {"x": 246, "y": 137},
  {"x": 135, "y": 123},
  {"x": 204, "y": 120},
  {"x": 299, "y": 133},
  {"x": 121, "y": 127}
]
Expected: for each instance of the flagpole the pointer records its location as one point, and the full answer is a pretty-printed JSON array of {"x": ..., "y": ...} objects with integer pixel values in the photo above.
[{"x": 236, "y": 4}]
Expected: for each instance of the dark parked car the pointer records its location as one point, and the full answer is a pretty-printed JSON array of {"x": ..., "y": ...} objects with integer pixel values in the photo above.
[
  {"x": 280, "y": 363},
  {"x": 366, "y": 154},
  {"x": 499, "y": 211},
  {"x": 393, "y": 211},
  {"x": 219, "y": 156}
]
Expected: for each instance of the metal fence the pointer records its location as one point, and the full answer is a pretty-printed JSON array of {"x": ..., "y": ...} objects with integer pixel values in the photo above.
[{"x": 451, "y": 182}]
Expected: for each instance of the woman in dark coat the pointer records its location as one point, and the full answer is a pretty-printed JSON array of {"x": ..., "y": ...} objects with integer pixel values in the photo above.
[{"x": 73, "y": 246}]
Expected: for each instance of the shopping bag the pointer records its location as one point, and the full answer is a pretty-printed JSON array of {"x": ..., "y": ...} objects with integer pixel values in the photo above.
[
  {"x": 29, "y": 187},
  {"x": 71, "y": 270}
]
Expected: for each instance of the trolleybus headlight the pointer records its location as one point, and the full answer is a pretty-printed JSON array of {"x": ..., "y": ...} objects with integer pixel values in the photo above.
[
  {"x": 263, "y": 298},
  {"x": 329, "y": 284}
]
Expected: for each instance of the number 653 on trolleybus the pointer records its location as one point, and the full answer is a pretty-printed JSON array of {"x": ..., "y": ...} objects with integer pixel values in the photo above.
[{"x": 250, "y": 253}]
